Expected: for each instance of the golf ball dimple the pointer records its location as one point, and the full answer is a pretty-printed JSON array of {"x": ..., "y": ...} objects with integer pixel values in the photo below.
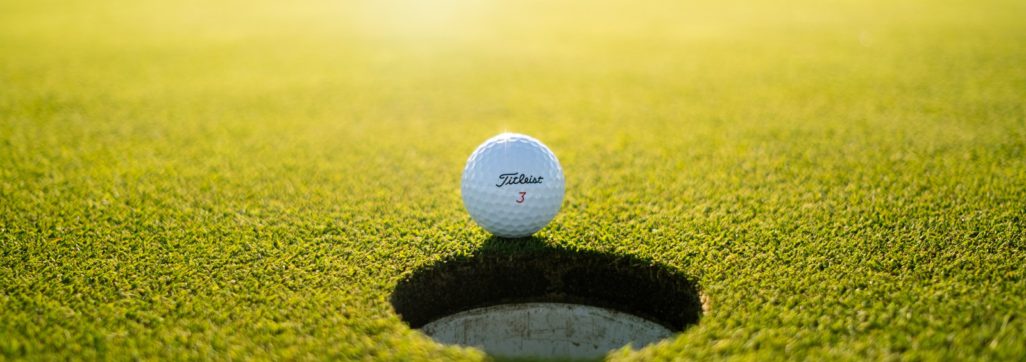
[{"x": 512, "y": 185}]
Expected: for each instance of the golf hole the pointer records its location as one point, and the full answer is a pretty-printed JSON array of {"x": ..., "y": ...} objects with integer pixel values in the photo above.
[{"x": 522, "y": 299}]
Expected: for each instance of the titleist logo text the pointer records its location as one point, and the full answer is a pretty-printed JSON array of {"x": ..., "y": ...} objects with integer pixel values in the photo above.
[{"x": 517, "y": 178}]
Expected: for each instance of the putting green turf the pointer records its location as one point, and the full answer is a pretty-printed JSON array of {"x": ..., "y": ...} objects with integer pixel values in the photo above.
[{"x": 250, "y": 179}]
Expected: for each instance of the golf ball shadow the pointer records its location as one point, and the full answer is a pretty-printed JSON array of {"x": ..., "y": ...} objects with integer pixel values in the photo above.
[{"x": 525, "y": 299}]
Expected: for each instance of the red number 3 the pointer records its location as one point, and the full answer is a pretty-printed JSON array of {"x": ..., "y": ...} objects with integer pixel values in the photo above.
[{"x": 523, "y": 194}]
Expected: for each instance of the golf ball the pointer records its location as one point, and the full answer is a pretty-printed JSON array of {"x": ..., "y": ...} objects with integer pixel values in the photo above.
[{"x": 512, "y": 185}]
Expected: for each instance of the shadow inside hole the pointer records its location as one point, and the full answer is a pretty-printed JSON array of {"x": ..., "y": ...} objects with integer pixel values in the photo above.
[{"x": 509, "y": 271}]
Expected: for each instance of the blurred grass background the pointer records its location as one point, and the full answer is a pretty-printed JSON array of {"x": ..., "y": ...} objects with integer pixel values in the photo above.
[{"x": 248, "y": 179}]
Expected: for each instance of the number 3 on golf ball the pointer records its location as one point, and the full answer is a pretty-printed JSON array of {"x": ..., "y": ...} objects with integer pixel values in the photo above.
[{"x": 512, "y": 185}]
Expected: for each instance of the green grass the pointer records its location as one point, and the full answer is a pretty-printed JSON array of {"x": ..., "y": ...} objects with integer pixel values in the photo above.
[{"x": 190, "y": 180}]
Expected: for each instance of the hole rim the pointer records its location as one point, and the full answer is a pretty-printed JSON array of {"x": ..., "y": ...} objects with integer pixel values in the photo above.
[{"x": 529, "y": 270}]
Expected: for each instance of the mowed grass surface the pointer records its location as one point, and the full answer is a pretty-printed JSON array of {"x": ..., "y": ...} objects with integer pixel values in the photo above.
[{"x": 240, "y": 179}]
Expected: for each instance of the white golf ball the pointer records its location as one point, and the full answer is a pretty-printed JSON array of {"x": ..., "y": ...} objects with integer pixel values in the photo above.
[{"x": 512, "y": 185}]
